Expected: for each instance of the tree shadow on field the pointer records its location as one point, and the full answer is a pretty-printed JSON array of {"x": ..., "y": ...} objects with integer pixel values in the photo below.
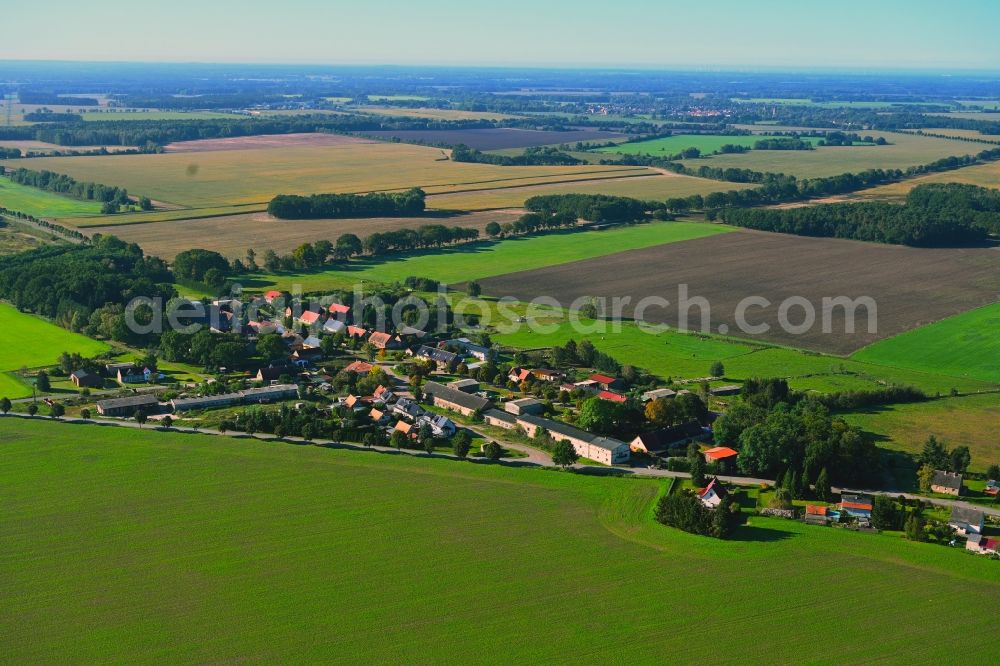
[{"x": 760, "y": 534}]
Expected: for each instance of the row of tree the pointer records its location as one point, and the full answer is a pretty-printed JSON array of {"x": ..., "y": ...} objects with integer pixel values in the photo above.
[
  {"x": 534, "y": 156},
  {"x": 69, "y": 186},
  {"x": 332, "y": 206}
]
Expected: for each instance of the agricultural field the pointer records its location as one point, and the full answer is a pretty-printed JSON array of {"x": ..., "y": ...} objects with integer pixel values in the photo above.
[
  {"x": 966, "y": 345},
  {"x": 728, "y": 268},
  {"x": 479, "y": 260},
  {"x": 904, "y": 150},
  {"x": 969, "y": 420},
  {"x": 432, "y": 114},
  {"x": 152, "y": 114},
  {"x": 641, "y": 186},
  {"x": 672, "y": 145},
  {"x": 232, "y": 235},
  {"x": 983, "y": 175},
  {"x": 495, "y": 139},
  {"x": 828, "y": 104},
  {"x": 27, "y": 341},
  {"x": 42, "y": 203},
  {"x": 236, "y": 177},
  {"x": 106, "y": 222},
  {"x": 43, "y": 147},
  {"x": 337, "y": 546},
  {"x": 684, "y": 356}
]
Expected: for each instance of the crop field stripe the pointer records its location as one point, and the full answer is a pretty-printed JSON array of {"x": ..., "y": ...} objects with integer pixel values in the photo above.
[{"x": 122, "y": 541}]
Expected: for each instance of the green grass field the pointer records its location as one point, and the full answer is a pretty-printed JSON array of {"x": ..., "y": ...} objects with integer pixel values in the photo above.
[
  {"x": 685, "y": 356},
  {"x": 672, "y": 145},
  {"x": 143, "y": 546},
  {"x": 27, "y": 341},
  {"x": 40, "y": 203},
  {"x": 904, "y": 150},
  {"x": 481, "y": 260},
  {"x": 966, "y": 345},
  {"x": 963, "y": 421}
]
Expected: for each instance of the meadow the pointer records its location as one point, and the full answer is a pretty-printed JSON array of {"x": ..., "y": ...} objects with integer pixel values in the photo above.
[
  {"x": 672, "y": 145},
  {"x": 966, "y": 345},
  {"x": 903, "y": 150},
  {"x": 983, "y": 175},
  {"x": 41, "y": 203},
  {"x": 683, "y": 356},
  {"x": 968, "y": 420},
  {"x": 474, "y": 261},
  {"x": 27, "y": 341},
  {"x": 231, "y": 177},
  {"x": 146, "y": 546}
]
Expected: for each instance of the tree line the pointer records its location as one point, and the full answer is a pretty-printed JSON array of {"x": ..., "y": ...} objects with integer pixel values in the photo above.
[
  {"x": 534, "y": 156},
  {"x": 69, "y": 186},
  {"x": 592, "y": 207},
  {"x": 374, "y": 204},
  {"x": 939, "y": 219}
]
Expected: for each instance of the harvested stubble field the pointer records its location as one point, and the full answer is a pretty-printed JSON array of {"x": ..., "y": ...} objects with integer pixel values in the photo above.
[
  {"x": 983, "y": 175},
  {"x": 43, "y": 147},
  {"x": 231, "y": 177},
  {"x": 904, "y": 150},
  {"x": 911, "y": 286},
  {"x": 501, "y": 137},
  {"x": 264, "y": 141},
  {"x": 233, "y": 234},
  {"x": 641, "y": 186},
  {"x": 202, "y": 549}
]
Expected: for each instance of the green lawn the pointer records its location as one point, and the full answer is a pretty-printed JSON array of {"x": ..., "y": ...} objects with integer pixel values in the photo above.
[
  {"x": 40, "y": 203},
  {"x": 672, "y": 145},
  {"x": 682, "y": 355},
  {"x": 481, "y": 260},
  {"x": 966, "y": 345},
  {"x": 963, "y": 421},
  {"x": 27, "y": 341},
  {"x": 122, "y": 545}
]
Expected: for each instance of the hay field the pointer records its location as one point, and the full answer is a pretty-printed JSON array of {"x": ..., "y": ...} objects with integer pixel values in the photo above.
[
  {"x": 228, "y": 177},
  {"x": 651, "y": 187},
  {"x": 233, "y": 234},
  {"x": 905, "y": 150},
  {"x": 43, "y": 147},
  {"x": 139, "y": 546}
]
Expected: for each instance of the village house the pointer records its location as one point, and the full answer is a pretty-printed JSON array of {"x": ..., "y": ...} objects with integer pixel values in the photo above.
[
  {"x": 441, "y": 425},
  {"x": 546, "y": 375},
  {"x": 656, "y": 394},
  {"x": 407, "y": 429},
  {"x": 495, "y": 417},
  {"x": 457, "y": 401},
  {"x": 611, "y": 396},
  {"x": 713, "y": 493},
  {"x": 338, "y": 311},
  {"x": 379, "y": 417},
  {"x": 357, "y": 332},
  {"x": 271, "y": 296},
  {"x": 360, "y": 367},
  {"x": 661, "y": 441},
  {"x": 468, "y": 348},
  {"x": 127, "y": 406},
  {"x": 719, "y": 453},
  {"x": 274, "y": 373},
  {"x": 946, "y": 483},
  {"x": 524, "y": 406},
  {"x": 407, "y": 408},
  {"x": 518, "y": 375},
  {"x": 133, "y": 375},
  {"x": 856, "y": 505},
  {"x": 587, "y": 445},
  {"x": 83, "y": 379},
  {"x": 334, "y": 326},
  {"x": 385, "y": 341},
  {"x": 247, "y": 396},
  {"x": 966, "y": 520},
  {"x": 306, "y": 318},
  {"x": 981, "y": 545},
  {"x": 607, "y": 383},
  {"x": 311, "y": 342},
  {"x": 817, "y": 514},
  {"x": 464, "y": 385},
  {"x": 441, "y": 357}
]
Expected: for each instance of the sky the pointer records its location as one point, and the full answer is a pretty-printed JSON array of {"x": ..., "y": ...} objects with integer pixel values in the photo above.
[{"x": 869, "y": 34}]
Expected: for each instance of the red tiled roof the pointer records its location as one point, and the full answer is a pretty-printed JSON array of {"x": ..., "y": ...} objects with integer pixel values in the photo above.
[
  {"x": 339, "y": 309},
  {"x": 611, "y": 397},
  {"x": 815, "y": 510},
  {"x": 380, "y": 339},
  {"x": 359, "y": 367},
  {"x": 309, "y": 317},
  {"x": 720, "y": 452},
  {"x": 356, "y": 331},
  {"x": 272, "y": 294},
  {"x": 856, "y": 505},
  {"x": 602, "y": 379}
]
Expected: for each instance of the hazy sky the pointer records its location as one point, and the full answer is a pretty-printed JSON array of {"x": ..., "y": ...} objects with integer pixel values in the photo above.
[{"x": 773, "y": 33}]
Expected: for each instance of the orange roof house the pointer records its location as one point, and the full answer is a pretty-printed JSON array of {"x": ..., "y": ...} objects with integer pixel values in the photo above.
[
  {"x": 359, "y": 367},
  {"x": 337, "y": 308},
  {"x": 611, "y": 396},
  {"x": 720, "y": 453}
]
